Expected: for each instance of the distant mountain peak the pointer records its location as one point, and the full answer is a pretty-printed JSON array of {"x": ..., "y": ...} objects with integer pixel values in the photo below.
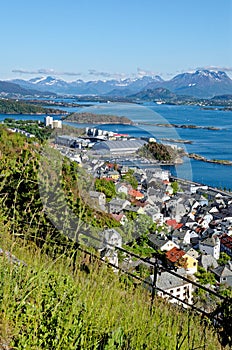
[
  {"x": 203, "y": 83},
  {"x": 37, "y": 80},
  {"x": 49, "y": 80},
  {"x": 213, "y": 74}
]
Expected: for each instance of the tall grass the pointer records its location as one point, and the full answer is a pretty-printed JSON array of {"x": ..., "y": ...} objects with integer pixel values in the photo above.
[{"x": 49, "y": 305}]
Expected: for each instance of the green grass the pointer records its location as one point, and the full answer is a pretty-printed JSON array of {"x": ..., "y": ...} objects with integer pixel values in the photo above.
[{"x": 49, "y": 305}]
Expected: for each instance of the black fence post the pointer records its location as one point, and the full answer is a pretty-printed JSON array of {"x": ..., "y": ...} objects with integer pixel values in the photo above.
[{"x": 153, "y": 292}]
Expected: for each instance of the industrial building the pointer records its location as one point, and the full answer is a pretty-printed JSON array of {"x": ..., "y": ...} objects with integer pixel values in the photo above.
[
  {"x": 66, "y": 140},
  {"x": 118, "y": 147}
]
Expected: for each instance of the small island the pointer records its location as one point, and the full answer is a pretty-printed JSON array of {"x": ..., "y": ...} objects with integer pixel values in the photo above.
[
  {"x": 176, "y": 140},
  {"x": 92, "y": 118},
  {"x": 203, "y": 159},
  {"x": 179, "y": 126},
  {"x": 164, "y": 154}
]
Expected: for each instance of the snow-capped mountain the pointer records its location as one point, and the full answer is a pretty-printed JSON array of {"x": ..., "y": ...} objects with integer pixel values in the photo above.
[
  {"x": 79, "y": 87},
  {"x": 201, "y": 84},
  {"x": 41, "y": 83},
  {"x": 12, "y": 90}
]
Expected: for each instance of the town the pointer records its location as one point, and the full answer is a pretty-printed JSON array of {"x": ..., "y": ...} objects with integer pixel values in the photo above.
[{"x": 188, "y": 224}]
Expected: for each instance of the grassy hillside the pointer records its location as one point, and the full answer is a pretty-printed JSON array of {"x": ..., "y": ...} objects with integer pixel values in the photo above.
[
  {"x": 56, "y": 301},
  {"x": 49, "y": 305}
]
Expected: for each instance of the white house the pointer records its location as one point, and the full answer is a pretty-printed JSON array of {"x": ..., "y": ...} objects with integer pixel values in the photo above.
[
  {"x": 155, "y": 214},
  {"x": 206, "y": 220},
  {"x": 175, "y": 286},
  {"x": 98, "y": 198},
  {"x": 210, "y": 246},
  {"x": 161, "y": 242},
  {"x": 116, "y": 205},
  {"x": 122, "y": 188},
  {"x": 110, "y": 239},
  {"x": 158, "y": 174}
]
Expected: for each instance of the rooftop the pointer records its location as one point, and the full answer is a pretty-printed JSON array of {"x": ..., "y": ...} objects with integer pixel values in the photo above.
[{"x": 175, "y": 254}]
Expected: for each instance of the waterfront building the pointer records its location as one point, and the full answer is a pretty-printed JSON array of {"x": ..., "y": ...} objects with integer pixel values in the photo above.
[
  {"x": 118, "y": 147},
  {"x": 68, "y": 141},
  {"x": 57, "y": 124},
  {"x": 48, "y": 121}
]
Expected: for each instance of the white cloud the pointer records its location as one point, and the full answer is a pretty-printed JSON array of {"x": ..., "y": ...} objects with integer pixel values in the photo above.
[
  {"x": 143, "y": 72},
  {"x": 45, "y": 71},
  {"x": 106, "y": 75},
  {"x": 215, "y": 68}
]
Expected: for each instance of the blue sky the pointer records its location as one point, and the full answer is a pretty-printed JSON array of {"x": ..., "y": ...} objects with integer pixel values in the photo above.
[{"x": 102, "y": 39}]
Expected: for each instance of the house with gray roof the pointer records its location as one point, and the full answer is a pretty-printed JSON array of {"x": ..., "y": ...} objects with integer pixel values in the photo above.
[
  {"x": 181, "y": 237},
  {"x": 173, "y": 285},
  {"x": 155, "y": 214},
  {"x": 210, "y": 246},
  {"x": 98, "y": 198},
  {"x": 223, "y": 275},
  {"x": 191, "y": 252},
  {"x": 207, "y": 261},
  {"x": 116, "y": 205},
  {"x": 201, "y": 200},
  {"x": 123, "y": 188},
  {"x": 176, "y": 209},
  {"x": 110, "y": 239},
  {"x": 160, "y": 242}
]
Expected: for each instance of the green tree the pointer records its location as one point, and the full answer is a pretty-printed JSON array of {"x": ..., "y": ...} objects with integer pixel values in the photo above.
[
  {"x": 107, "y": 187},
  {"x": 204, "y": 277},
  {"x": 130, "y": 178},
  {"x": 175, "y": 187},
  {"x": 224, "y": 259},
  {"x": 143, "y": 224}
]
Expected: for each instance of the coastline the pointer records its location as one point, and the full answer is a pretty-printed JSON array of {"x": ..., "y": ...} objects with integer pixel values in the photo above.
[
  {"x": 97, "y": 123},
  {"x": 203, "y": 159},
  {"x": 87, "y": 118},
  {"x": 180, "y": 126}
]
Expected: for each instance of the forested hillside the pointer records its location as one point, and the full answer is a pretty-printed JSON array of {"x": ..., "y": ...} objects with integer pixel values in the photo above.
[{"x": 8, "y": 106}]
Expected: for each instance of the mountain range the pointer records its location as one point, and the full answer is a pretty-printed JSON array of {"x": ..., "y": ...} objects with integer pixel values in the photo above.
[
  {"x": 11, "y": 89},
  {"x": 199, "y": 84},
  {"x": 80, "y": 87}
]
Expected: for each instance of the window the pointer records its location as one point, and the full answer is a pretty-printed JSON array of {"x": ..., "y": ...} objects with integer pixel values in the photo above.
[
  {"x": 194, "y": 264},
  {"x": 178, "y": 289},
  {"x": 171, "y": 291}
]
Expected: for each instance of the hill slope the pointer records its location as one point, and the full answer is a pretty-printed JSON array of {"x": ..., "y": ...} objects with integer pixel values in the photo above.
[
  {"x": 49, "y": 305},
  {"x": 17, "y": 107},
  {"x": 12, "y": 89},
  {"x": 54, "y": 300}
]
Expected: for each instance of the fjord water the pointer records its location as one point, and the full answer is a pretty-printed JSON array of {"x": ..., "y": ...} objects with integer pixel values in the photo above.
[{"x": 212, "y": 144}]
